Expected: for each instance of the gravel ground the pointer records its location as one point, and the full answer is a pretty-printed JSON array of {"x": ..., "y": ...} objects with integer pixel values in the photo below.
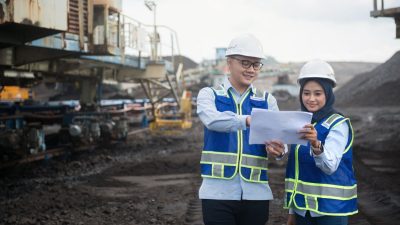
[{"x": 155, "y": 180}]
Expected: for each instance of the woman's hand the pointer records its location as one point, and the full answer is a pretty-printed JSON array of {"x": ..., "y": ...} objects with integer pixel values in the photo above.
[
  {"x": 310, "y": 133},
  {"x": 291, "y": 220},
  {"x": 275, "y": 148}
]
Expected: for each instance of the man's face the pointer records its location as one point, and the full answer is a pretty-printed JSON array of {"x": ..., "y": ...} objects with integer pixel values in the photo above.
[{"x": 244, "y": 70}]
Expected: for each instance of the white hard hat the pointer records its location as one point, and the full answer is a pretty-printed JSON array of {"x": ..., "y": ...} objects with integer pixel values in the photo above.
[
  {"x": 317, "y": 69},
  {"x": 246, "y": 45}
]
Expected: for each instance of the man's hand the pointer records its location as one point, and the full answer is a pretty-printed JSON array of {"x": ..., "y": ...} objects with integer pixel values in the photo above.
[
  {"x": 248, "y": 120},
  {"x": 275, "y": 148}
]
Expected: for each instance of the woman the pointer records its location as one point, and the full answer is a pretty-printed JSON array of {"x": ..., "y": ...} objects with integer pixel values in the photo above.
[{"x": 320, "y": 185}]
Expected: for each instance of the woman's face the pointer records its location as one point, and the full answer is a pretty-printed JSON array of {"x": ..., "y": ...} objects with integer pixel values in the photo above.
[{"x": 313, "y": 96}]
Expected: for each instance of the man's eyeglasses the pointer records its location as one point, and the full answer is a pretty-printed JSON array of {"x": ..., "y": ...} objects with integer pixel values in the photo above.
[{"x": 246, "y": 63}]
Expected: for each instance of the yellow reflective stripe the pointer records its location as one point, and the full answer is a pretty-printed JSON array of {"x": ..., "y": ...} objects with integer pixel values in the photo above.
[
  {"x": 352, "y": 134},
  {"x": 322, "y": 190},
  {"x": 340, "y": 122},
  {"x": 352, "y": 138},
  {"x": 325, "y": 213},
  {"x": 240, "y": 132},
  {"x": 318, "y": 184},
  {"x": 311, "y": 202},
  {"x": 296, "y": 175},
  {"x": 216, "y": 157},
  {"x": 327, "y": 192},
  {"x": 255, "y": 174},
  {"x": 251, "y": 161},
  {"x": 328, "y": 185},
  {"x": 210, "y": 176}
]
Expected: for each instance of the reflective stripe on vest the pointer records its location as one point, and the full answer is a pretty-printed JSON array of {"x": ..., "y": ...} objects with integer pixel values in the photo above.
[
  {"x": 220, "y": 158},
  {"x": 328, "y": 122},
  {"x": 322, "y": 190},
  {"x": 217, "y": 170},
  {"x": 252, "y": 161}
]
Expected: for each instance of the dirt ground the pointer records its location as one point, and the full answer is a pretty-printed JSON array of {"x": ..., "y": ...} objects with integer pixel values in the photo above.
[{"x": 155, "y": 180}]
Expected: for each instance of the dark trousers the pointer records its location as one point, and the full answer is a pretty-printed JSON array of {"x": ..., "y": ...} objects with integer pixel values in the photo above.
[
  {"x": 231, "y": 212},
  {"x": 323, "y": 220}
]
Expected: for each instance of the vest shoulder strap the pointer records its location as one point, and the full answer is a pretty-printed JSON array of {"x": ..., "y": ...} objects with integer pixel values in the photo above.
[
  {"x": 334, "y": 118},
  {"x": 220, "y": 91},
  {"x": 259, "y": 95}
]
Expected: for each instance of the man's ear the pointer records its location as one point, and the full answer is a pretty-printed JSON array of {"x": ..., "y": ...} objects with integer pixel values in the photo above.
[{"x": 228, "y": 61}]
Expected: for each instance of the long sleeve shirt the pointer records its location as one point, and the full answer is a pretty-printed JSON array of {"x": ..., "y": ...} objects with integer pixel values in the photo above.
[
  {"x": 329, "y": 160},
  {"x": 236, "y": 188}
]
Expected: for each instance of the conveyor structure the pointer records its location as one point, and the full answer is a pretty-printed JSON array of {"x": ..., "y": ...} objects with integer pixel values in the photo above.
[{"x": 82, "y": 41}]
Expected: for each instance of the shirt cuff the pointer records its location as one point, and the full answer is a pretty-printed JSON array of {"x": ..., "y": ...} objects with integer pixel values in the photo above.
[
  {"x": 242, "y": 120},
  {"x": 291, "y": 211},
  {"x": 320, "y": 156}
]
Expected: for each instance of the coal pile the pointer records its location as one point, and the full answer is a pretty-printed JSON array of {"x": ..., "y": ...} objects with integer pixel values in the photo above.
[{"x": 379, "y": 87}]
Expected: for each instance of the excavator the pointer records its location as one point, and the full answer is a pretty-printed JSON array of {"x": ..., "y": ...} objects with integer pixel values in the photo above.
[{"x": 172, "y": 118}]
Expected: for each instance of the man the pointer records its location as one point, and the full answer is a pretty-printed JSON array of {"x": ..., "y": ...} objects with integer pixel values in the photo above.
[{"x": 235, "y": 188}]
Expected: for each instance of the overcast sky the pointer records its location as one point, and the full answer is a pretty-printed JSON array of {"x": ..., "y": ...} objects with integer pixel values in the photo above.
[{"x": 290, "y": 30}]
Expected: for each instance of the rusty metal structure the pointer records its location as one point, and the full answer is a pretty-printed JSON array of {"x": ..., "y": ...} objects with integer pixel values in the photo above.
[
  {"x": 83, "y": 41},
  {"x": 380, "y": 10}
]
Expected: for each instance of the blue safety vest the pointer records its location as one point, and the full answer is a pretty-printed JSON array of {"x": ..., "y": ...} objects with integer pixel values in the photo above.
[
  {"x": 226, "y": 154},
  {"x": 308, "y": 188}
]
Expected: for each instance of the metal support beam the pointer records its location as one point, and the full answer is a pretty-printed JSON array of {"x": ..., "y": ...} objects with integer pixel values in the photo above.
[
  {"x": 29, "y": 54},
  {"x": 88, "y": 89},
  {"x": 173, "y": 90},
  {"x": 81, "y": 23},
  {"x": 160, "y": 84},
  {"x": 147, "y": 91}
]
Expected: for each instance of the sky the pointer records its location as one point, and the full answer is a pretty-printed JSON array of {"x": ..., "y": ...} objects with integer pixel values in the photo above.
[{"x": 290, "y": 30}]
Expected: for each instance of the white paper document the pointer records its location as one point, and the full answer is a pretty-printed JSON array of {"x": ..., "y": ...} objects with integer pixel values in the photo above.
[{"x": 268, "y": 125}]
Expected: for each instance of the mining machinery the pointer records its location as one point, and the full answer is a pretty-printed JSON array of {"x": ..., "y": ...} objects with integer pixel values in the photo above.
[{"x": 86, "y": 42}]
